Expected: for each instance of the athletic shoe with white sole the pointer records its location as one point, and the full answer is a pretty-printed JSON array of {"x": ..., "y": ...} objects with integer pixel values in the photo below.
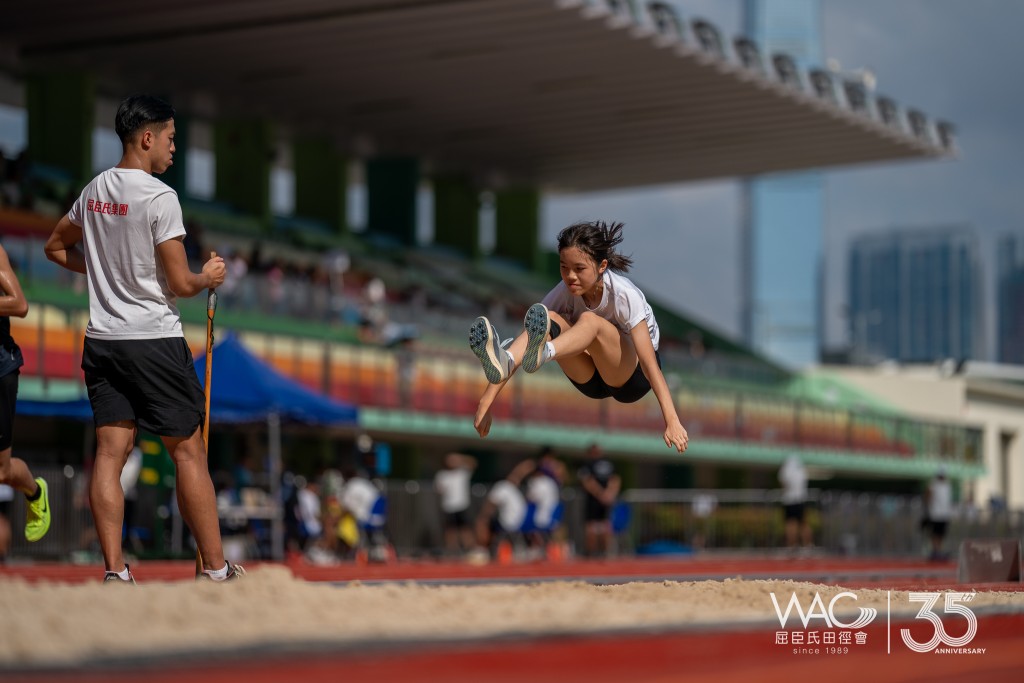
[
  {"x": 538, "y": 326},
  {"x": 112, "y": 577},
  {"x": 483, "y": 340},
  {"x": 235, "y": 572},
  {"x": 37, "y": 517}
]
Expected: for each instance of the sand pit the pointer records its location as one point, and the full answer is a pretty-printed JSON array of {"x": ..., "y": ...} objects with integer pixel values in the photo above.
[{"x": 87, "y": 622}]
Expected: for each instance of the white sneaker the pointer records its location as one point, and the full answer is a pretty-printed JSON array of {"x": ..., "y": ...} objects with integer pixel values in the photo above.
[
  {"x": 538, "y": 326},
  {"x": 483, "y": 340}
]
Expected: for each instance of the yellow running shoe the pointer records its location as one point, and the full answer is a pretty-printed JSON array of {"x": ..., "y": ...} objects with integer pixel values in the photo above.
[{"x": 37, "y": 521}]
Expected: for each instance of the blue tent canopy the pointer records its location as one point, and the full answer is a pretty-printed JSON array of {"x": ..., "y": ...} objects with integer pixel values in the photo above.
[
  {"x": 245, "y": 389},
  {"x": 79, "y": 409}
]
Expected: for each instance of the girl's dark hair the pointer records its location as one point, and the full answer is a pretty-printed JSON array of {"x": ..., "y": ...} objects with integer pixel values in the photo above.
[
  {"x": 598, "y": 241},
  {"x": 139, "y": 111}
]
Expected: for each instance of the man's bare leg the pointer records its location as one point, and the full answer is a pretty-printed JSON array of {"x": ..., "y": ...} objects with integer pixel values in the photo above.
[
  {"x": 106, "y": 497},
  {"x": 196, "y": 496}
]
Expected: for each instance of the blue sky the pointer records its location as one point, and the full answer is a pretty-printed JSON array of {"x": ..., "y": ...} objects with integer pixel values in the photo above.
[{"x": 954, "y": 59}]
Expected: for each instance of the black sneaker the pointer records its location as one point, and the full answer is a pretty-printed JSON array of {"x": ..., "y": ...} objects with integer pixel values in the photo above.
[
  {"x": 235, "y": 572},
  {"x": 110, "y": 576}
]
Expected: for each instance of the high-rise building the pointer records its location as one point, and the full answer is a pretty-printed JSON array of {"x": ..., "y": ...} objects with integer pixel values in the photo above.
[
  {"x": 784, "y": 214},
  {"x": 915, "y": 296},
  {"x": 1010, "y": 300}
]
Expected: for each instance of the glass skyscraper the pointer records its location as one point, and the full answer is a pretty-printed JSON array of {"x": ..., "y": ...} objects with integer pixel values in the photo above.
[
  {"x": 914, "y": 296},
  {"x": 1010, "y": 288},
  {"x": 784, "y": 214}
]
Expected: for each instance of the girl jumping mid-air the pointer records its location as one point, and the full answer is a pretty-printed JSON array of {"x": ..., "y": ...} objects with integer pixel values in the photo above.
[{"x": 596, "y": 324}]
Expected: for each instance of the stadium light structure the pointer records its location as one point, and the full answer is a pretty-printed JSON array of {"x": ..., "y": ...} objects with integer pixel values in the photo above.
[
  {"x": 665, "y": 20},
  {"x": 821, "y": 81},
  {"x": 918, "y": 124},
  {"x": 624, "y": 9},
  {"x": 709, "y": 37},
  {"x": 889, "y": 112},
  {"x": 947, "y": 134},
  {"x": 857, "y": 85},
  {"x": 749, "y": 54},
  {"x": 787, "y": 70},
  {"x": 857, "y": 97}
]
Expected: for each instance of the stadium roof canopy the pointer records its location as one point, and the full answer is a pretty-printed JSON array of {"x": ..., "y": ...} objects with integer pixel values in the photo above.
[{"x": 565, "y": 94}]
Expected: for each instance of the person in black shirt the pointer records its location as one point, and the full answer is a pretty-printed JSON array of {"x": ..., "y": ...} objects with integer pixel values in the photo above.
[{"x": 601, "y": 487}]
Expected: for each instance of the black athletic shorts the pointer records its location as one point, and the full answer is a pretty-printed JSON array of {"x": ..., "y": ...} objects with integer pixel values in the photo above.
[
  {"x": 595, "y": 510},
  {"x": 456, "y": 520},
  {"x": 8, "y": 402},
  {"x": 150, "y": 381},
  {"x": 635, "y": 388},
  {"x": 795, "y": 511}
]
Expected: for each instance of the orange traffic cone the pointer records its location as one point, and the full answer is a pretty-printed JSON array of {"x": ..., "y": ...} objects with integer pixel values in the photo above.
[{"x": 504, "y": 552}]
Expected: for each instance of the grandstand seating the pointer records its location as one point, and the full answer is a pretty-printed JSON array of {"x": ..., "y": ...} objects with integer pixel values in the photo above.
[
  {"x": 447, "y": 382},
  {"x": 726, "y": 394}
]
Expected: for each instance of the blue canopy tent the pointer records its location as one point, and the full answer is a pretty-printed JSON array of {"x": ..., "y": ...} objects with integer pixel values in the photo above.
[{"x": 245, "y": 389}]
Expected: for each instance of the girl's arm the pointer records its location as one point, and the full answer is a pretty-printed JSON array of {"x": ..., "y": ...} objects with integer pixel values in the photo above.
[
  {"x": 675, "y": 434},
  {"x": 482, "y": 420}
]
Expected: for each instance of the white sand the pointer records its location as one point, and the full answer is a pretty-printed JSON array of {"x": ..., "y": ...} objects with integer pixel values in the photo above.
[{"x": 81, "y": 622}]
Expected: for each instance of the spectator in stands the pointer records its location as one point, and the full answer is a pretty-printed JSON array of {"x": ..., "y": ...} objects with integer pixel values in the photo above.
[
  {"x": 275, "y": 301},
  {"x": 596, "y": 324},
  {"x": 452, "y": 483},
  {"x": 235, "y": 270},
  {"x": 938, "y": 500},
  {"x": 601, "y": 486},
  {"x": 336, "y": 263},
  {"x": 793, "y": 477},
  {"x": 372, "y": 314},
  {"x": 14, "y": 471}
]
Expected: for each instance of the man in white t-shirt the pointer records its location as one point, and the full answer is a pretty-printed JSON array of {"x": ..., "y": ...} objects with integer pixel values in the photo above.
[
  {"x": 452, "y": 484},
  {"x": 365, "y": 502},
  {"x": 504, "y": 510},
  {"x": 939, "y": 502},
  {"x": 543, "y": 493},
  {"x": 793, "y": 477},
  {"x": 125, "y": 234},
  {"x": 359, "y": 496}
]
